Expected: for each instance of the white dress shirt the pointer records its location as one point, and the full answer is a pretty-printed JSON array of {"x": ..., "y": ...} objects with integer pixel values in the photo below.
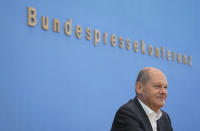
[{"x": 153, "y": 116}]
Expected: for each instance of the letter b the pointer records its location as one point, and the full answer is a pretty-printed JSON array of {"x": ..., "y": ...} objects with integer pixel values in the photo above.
[{"x": 32, "y": 16}]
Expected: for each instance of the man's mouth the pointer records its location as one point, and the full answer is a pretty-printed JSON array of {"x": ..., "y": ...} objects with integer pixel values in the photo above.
[{"x": 161, "y": 97}]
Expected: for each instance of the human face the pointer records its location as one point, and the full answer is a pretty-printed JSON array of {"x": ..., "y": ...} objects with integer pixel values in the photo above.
[{"x": 154, "y": 92}]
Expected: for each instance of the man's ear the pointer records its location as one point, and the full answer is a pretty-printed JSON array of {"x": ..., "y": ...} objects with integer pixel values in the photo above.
[{"x": 139, "y": 87}]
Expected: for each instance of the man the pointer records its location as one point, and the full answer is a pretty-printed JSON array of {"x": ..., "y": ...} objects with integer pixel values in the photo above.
[{"x": 143, "y": 112}]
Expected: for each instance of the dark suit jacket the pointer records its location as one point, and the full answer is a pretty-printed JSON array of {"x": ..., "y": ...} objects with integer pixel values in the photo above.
[{"x": 132, "y": 117}]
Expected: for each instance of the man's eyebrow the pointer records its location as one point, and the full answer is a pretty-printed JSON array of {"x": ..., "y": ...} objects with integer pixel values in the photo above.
[{"x": 158, "y": 83}]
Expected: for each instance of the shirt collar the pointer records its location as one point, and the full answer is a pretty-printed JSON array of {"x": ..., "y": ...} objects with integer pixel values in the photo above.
[{"x": 149, "y": 112}]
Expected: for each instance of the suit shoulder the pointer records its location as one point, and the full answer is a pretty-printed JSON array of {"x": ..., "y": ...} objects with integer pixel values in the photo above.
[
  {"x": 165, "y": 114},
  {"x": 126, "y": 117},
  {"x": 165, "y": 121},
  {"x": 165, "y": 117},
  {"x": 128, "y": 108}
]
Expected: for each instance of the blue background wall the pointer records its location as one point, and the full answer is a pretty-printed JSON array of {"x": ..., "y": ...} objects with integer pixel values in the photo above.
[{"x": 52, "y": 82}]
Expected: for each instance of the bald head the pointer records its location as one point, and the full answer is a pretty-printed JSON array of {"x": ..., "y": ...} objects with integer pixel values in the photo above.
[
  {"x": 145, "y": 74},
  {"x": 151, "y": 88}
]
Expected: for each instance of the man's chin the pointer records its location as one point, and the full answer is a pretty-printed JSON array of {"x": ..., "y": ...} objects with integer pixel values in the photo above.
[{"x": 161, "y": 104}]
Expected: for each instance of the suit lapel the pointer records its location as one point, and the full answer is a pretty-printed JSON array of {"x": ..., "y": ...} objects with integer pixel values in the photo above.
[
  {"x": 158, "y": 126},
  {"x": 143, "y": 115}
]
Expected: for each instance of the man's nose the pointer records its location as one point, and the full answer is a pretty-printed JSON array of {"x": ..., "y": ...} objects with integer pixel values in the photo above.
[{"x": 163, "y": 90}]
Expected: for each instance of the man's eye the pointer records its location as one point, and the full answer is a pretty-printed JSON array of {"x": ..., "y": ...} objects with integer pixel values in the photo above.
[{"x": 165, "y": 87}]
